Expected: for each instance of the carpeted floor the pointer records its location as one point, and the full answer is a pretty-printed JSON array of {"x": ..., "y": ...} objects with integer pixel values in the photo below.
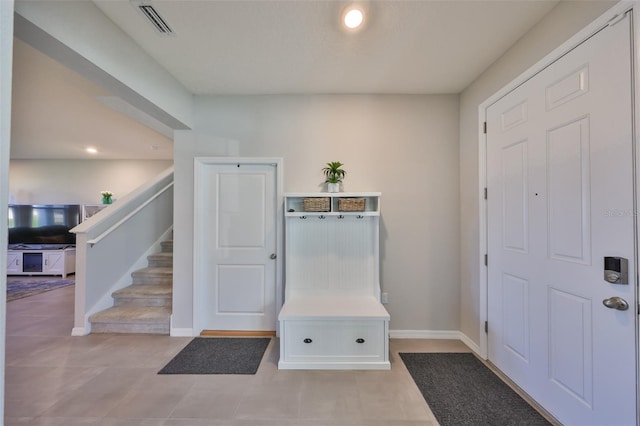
[
  {"x": 25, "y": 286},
  {"x": 460, "y": 390},
  {"x": 225, "y": 355}
]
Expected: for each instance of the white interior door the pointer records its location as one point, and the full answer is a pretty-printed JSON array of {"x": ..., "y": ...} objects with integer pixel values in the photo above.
[
  {"x": 235, "y": 246},
  {"x": 560, "y": 185}
]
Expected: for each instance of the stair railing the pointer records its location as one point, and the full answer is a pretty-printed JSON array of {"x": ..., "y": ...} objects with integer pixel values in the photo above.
[{"x": 115, "y": 242}]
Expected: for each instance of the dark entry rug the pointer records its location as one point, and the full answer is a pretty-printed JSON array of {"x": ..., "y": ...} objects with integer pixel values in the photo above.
[
  {"x": 460, "y": 390},
  {"x": 19, "y": 287},
  {"x": 228, "y": 355}
]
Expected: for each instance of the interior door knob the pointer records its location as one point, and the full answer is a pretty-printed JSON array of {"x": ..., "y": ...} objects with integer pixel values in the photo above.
[
  {"x": 273, "y": 256},
  {"x": 616, "y": 303}
]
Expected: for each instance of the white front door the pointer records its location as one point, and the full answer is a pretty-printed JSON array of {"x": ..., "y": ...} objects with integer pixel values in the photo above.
[
  {"x": 560, "y": 200},
  {"x": 235, "y": 246}
]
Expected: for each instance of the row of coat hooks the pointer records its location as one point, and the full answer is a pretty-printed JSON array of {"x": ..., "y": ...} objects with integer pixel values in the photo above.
[{"x": 339, "y": 217}]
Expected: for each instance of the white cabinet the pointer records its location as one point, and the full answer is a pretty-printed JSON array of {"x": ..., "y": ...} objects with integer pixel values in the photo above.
[
  {"x": 42, "y": 262},
  {"x": 332, "y": 317},
  {"x": 54, "y": 262},
  {"x": 14, "y": 263}
]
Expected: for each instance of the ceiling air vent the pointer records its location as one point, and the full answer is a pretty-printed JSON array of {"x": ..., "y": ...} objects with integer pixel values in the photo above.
[{"x": 159, "y": 23}]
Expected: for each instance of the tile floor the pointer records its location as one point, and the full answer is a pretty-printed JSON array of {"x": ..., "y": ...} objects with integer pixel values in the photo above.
[{"x": 110, "y": 380}]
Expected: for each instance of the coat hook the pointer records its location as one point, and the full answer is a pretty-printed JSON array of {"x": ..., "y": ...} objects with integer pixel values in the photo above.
[
  {"x": 303, "y": 217},
  {"x": 322, "y": 216},
  {"x": 359, "y": 217},
  {"x": 340, "y": 217}
]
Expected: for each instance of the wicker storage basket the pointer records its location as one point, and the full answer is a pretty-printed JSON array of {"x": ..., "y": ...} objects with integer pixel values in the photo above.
[
  {"x": 316, "y": 204},
  {"x": 351, "y": 204}
]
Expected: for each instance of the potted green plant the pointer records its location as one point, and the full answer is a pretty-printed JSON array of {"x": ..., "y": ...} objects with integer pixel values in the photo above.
[
  {"x": 106, "y": 197},
  {"x": 334, "y": 174}
]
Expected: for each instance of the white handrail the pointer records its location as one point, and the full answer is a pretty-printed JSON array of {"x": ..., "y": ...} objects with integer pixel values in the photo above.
[{"x": 96, "y": 240}]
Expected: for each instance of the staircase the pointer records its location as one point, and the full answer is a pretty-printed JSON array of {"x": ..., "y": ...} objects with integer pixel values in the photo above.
[{"x": 145, "y": 305}]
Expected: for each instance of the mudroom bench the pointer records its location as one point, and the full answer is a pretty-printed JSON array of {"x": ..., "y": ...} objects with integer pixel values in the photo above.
[{"x": 332, "y": 317}]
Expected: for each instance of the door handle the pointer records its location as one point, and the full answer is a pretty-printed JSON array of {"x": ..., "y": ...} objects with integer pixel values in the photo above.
[
  {"x": 273, "y": 256},
  {"x": 616, "y": 303}
]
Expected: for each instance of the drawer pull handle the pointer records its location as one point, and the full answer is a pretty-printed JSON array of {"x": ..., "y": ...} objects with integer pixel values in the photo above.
[
  {"x": 360, "y": 340},
  {"x": 307, "y": 340}
]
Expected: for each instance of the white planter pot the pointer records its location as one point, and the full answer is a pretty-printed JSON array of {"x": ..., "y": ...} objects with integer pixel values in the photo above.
[{"x": 333, "y": 187}]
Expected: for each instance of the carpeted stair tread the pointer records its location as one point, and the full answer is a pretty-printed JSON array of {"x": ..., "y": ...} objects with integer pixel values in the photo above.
[
  {"x": 153, "y": 275},
  {"x": 144, "y": 295},
  {"x": 167, "y": 246},
  {"x": 160, "y": 260},
  {"x": 128, "y": 319},
  {"x": 162, "y": 254},
  {"x": 129, "y": 314},
  {"x": 154, "y": 270},
  {"x": 144, "y": 290}
]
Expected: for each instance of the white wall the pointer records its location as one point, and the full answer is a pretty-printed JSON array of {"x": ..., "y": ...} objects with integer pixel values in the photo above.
[
  {"x": 77, "y": 181},
  {"x": 404, "y": 146},
  {"x": 560, "y": 24},
  {"x": 6, "y": 69}
]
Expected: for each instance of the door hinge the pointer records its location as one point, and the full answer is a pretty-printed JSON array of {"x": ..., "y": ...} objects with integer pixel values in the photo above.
[
  {"x": 486, "y": 327},
  {"x": 486, "y": 260},
  {"x": 485, "y": 193},
  {"x": 484, "y": 128}
]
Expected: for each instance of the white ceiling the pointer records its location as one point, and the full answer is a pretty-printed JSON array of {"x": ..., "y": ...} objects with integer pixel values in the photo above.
[
  {"x": 283, "y": 47},
  {"x": 263, "y": 47},
  {"x": 56, "y": 114}
]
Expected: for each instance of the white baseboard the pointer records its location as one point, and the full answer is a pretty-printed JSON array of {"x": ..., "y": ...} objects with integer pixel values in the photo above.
[
  {"x": 181, "y": 332},
  {"x": 470, "y": 343},
  {"x": 425, "y": 334},
  {"x": 79, "y": 331}
]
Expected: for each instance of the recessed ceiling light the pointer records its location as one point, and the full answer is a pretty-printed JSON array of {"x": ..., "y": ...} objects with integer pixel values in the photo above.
[
  {"x": 353, "y": 17},
  {"x": 91, "y": 150}
]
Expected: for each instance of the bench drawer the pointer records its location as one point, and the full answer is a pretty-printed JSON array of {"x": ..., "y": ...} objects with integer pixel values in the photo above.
[{"x": 334, "y": 341}]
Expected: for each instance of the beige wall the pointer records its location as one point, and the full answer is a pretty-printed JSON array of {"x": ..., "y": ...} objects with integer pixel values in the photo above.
[
  {"x": 77, "y": 181},
  {"x": 404, "y": 146},
  {"x": 558, "y": 26}
]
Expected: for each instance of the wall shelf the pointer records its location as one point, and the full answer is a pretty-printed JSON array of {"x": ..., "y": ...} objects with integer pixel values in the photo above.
[{"x": 294, "y": 204}]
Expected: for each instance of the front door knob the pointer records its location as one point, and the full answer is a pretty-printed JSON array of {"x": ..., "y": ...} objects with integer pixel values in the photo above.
[{"x": 616, "y": 303}]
